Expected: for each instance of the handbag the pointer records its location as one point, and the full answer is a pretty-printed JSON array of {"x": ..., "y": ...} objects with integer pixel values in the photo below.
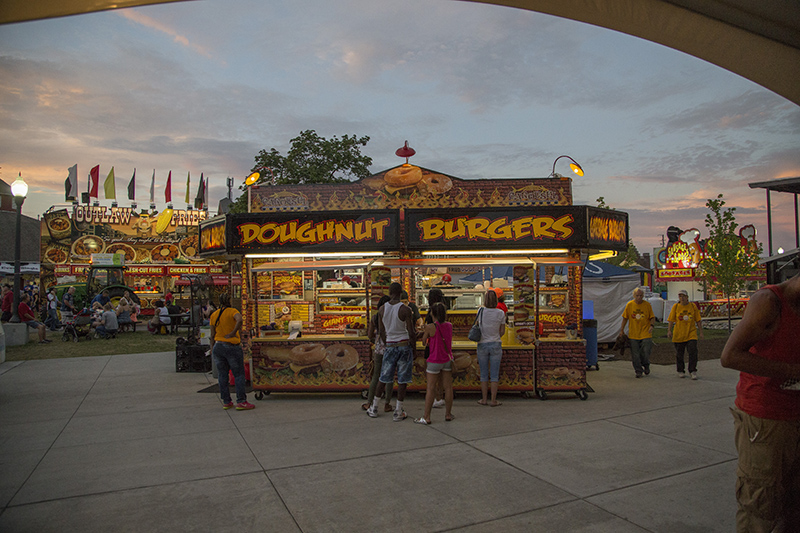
[{"x": 475, "y": 331}]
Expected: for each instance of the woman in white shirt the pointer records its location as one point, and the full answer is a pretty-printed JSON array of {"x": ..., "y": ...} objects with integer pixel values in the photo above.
[{"x": 490, "y": 351}]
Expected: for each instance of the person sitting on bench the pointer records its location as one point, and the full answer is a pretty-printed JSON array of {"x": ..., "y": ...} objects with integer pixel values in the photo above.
[
  {"x": 161, "y": 318},
  {"x": 108, "y": 323},
  {"x": 123, "y": 312}
]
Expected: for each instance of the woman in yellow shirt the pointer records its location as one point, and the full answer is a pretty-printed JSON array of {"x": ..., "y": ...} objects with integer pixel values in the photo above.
[{"x": 226, "y": 349}]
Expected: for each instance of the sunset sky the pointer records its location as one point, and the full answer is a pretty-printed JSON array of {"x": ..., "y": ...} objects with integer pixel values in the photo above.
[{"x": 479, "y": 91}]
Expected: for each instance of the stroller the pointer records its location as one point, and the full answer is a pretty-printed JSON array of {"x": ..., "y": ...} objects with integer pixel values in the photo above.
[{"x": 79, "y": 326}]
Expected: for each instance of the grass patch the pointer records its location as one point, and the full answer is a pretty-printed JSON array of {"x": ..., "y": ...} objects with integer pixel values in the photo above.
[{"x": 129, "y": 342}]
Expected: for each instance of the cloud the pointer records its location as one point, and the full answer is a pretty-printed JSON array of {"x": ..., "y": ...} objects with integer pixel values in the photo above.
[{"x": 138, "y": 17}]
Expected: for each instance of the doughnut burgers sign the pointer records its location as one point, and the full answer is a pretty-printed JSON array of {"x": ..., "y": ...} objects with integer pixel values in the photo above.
[
  {"x": 563, "y": 227},
  {"x": 376, "y": 230}
]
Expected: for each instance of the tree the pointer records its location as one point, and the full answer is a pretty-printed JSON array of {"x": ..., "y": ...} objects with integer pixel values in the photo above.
[
  {"x": 727, "y": 260},
  {"x": 311, "y": 159}
]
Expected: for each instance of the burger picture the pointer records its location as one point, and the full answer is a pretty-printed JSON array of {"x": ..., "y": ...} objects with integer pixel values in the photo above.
[{"x": 306, "y": 358}]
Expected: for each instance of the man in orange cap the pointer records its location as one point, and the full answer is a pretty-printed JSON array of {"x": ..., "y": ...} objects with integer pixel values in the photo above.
[{"x": 501, "y": 300}]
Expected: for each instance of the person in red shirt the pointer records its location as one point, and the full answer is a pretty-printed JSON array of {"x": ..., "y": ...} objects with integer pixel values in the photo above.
[
  {"x": 27, "y": 316},
  {"x": 8, "y": 302},
  {"x": 763, "y": 347},
  {"x": 501, "y": 300}
]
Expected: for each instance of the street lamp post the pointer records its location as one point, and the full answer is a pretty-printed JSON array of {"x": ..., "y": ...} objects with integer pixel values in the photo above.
[{"x": 20, "y": 190}]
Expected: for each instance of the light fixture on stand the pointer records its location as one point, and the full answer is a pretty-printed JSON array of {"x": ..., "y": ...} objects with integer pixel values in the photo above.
[
  {"x": 576, "y": 168},
  {"x": 20, "y": 190}
]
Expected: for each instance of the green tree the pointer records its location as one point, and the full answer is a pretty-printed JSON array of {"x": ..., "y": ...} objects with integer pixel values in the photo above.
[
  {"x": 627, "y": 259},
  {"x": 727, "y": 261},
  {"x": 311, "y": 159}
]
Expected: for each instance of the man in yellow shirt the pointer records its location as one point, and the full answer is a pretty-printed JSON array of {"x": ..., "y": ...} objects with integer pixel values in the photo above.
[
  {"x": 638, "y": 316},
  {"x": 226, "y": 349},
  {"x": 685, "y": 317}
]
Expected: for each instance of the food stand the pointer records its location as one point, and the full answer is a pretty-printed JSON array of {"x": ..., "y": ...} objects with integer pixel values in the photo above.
[
  {"x": 305, "y": 336},
  {"x": 158, "y": 249}
]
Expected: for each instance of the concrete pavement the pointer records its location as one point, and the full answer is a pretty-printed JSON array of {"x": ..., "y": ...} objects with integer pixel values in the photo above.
[{"x": 123, "y": 443}]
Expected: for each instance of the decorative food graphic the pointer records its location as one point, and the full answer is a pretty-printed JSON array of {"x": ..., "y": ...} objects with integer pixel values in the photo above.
[
  {"x": 190, "y": 246},
  {"x": 122, "y": 248},
  {"x": 306, "y": 358},
  {"x": 163, "y": 220},
  {"x": 525, "y": 335},
  {"x": 143, "y": 255},
  {"x": 58, "y": 224},
  {"x": 56, "y": 254},
  {"x": 560, "y": 377},
  {"x": 88, "y": 245},
  {"x": 407, "y": 178},
  {"x": 341, "y": 357},
  {"x": 164, "y": 253},
  {"x": 556, "y": 301}
]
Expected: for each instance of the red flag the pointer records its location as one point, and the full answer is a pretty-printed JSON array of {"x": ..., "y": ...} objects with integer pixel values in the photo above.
[
  {"x": 168, "y": 190},
  {"x": 94, "y": 179}
]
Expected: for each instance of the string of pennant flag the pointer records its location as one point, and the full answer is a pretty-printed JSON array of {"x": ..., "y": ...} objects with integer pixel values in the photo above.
[{"x": 71, "y": 190}]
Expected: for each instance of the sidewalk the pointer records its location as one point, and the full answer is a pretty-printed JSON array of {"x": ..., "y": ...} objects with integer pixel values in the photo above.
[{"x": 123, "y": 443}]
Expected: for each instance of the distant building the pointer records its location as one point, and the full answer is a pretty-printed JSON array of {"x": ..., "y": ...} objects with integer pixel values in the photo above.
[{"x": 30, "y": 231}]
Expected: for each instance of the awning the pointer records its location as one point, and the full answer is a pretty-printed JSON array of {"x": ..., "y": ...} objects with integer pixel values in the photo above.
[
  {"x": 24, "y": 268},
  {"x": 316, "y": 265}
]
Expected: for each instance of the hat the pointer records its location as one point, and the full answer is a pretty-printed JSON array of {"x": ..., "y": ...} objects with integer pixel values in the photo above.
[
  {"x": 683, "y": 293},
  {"x": 498, "y": 291}
]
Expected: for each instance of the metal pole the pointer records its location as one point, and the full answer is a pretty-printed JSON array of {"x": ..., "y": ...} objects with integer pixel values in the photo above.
[
  {"x": 17, "y": 281},
  {"x": 769, "y": 226},
  {"x": 796, "y": 224}
]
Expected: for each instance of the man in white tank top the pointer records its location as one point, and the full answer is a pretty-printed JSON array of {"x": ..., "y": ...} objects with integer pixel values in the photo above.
[{"x": 396, "y": 328}]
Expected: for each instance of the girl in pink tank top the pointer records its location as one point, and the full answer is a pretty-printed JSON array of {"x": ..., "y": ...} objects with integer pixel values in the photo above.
[{"x": 439, "y": 338}]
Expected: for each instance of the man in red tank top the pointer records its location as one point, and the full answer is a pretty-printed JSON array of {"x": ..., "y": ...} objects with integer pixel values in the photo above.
[{"x": 764, "y": 347}]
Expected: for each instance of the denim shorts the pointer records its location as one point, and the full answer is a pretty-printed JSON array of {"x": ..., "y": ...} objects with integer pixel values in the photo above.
[
  {"x": 489, "y": 356},
  {"x": 400, "y": 358},
  {"x": 435, "y": 368}
]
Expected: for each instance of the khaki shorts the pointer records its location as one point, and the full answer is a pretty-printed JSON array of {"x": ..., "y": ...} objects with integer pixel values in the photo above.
[{"x": 768, "y": 473}]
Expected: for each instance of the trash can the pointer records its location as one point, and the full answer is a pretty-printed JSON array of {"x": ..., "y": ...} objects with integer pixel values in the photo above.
[{"x": 590, "y": 334}]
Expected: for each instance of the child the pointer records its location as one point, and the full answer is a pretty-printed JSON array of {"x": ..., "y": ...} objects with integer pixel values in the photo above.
[{"x": 439, "y": 337}]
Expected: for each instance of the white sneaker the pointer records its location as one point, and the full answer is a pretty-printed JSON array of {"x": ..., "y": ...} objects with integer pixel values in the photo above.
[
  {"x": 694, "y": 375},
  {"x": 681, "y": 374},
  {"x": 372, "y": 412},
  {"x": 438, "y": 403}
]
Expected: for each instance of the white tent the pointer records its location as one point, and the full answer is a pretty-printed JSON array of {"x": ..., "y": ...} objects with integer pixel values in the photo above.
[{"x": 610, "y": 288}]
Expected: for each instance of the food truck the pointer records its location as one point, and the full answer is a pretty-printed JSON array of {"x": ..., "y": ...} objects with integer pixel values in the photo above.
[
  {"x": 304, "y": 332},
  {"x": 157, "y": 248}
]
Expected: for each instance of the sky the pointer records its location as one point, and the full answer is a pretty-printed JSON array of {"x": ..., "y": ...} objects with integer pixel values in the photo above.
[{"x": 479, "y": 91}]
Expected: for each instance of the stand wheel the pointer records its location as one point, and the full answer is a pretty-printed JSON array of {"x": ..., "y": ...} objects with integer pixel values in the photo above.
[
  {"x": 364, "y": 394},
  {"x": 541, "y": 394},
  {"x": 525, "y": 394},
  {"x": 259, "y": 395},
  {"x": 581, "y": 393}
]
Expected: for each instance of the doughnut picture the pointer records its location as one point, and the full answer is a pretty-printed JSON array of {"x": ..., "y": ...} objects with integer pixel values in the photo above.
[
  {"x": 436, "y": 183},
  {"x": 402, "y": 177},
  {"x": 307, "y": 354},
  {"x": 341, "y": 357}
]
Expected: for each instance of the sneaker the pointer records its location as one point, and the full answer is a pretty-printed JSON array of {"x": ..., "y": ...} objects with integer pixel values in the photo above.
[
  {"x": 227, "y": 405},
  {"x": 438, "y": 403},
  {"x": 647, "y": 371},
  {"x": 399, "y": 416},
  {"x": 681, "y": 374},
  {"x": 694, "y": 375},
  {"x": 372, "y": 412},
  {"x": 638, "y": 374},
  {"x": 244, "y": 406}
]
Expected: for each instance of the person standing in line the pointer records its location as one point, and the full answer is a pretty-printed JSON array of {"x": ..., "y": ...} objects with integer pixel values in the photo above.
[
  {"x": 68, "y": 305},
  {"x": 492, "y": 322},
  {"x": 764, "y": 349},
  {"x": 685, "y": 318},
  {"x": 501, "y": 300},
  {"x": 52, "y": 309},
  {"x": 396, "y": 329},
  {"x": 639, "y": 317},
  {"x": 377, "y": 361},
  {"x": 438, "y": 336},
  {"x": 435, "y": 296},
  {"x": 226, "y": 349}
]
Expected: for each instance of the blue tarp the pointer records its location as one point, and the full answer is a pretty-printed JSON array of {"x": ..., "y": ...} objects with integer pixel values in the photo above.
[
  {"x": 601, "y": 269},
  {"x": 489, "y": 273}
]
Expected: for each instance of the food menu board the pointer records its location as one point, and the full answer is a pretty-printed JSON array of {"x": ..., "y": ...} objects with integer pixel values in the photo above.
[
  {"x": 379, "y": 280},
  {"x": 524, "y": 302},
  {"x": 287, "y": 285}
]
